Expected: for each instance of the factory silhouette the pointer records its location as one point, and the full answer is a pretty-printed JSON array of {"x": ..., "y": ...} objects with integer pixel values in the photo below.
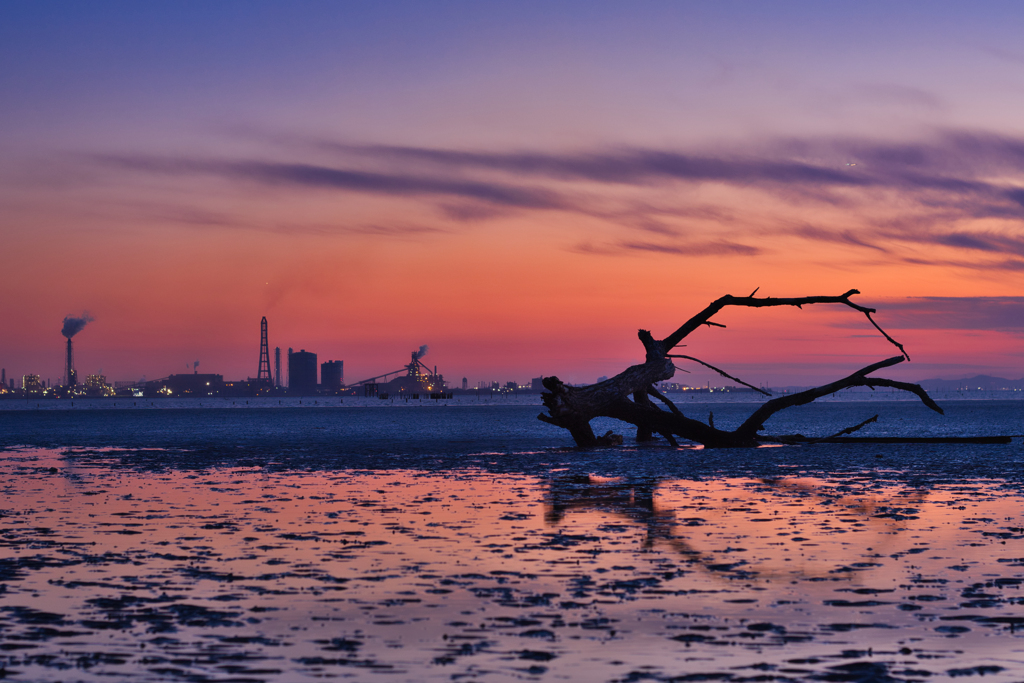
[
  {"x": 298, "y": 377},
  {"x": 413, "y": 380}
]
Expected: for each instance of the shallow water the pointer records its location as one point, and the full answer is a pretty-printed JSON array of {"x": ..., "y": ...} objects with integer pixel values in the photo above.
[
  {"x": 303, "y": 545},
  {"x": 431, "y": 428}
]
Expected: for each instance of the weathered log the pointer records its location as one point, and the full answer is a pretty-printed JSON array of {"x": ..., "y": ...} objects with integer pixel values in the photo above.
[{"x": 626, "y": 396}]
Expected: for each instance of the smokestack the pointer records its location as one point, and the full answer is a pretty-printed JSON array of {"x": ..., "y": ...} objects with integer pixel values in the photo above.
[
  {"x": 70, "y": 378},
  {"x": 72, "y": 326},
  {"x": 277, "y": 366},
  {"x": 416, "y": 355}
]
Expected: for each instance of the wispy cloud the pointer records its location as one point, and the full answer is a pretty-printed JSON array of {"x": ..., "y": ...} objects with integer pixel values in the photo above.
[
  {"x": 315, "y": 176},
  {"x": 891, "y": 93},
  {"x": 958, "y": 162},
  {"x": 953, "y": 176},
  {"x": 1009, "y": 265},
  {"x": 951, "y": 161},
  {"x": 957, "y": 191},
  {"x": 697, "y": 249},
  {"x": 204, "y": 219},
  {"x": 626, "y": 166},
  {"x": 848, "y": 237},
  {"x": 955, "y": 313},
  {"x": 883, "y": 239},
  {"x": 714, "y": 248}
]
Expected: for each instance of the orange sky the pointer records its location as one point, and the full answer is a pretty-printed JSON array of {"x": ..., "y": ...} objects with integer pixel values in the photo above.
[{"x": 519, "y": 190}]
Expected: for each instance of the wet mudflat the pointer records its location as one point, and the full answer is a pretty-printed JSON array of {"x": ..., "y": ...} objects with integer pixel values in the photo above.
[{"x": 553, "y": 572}]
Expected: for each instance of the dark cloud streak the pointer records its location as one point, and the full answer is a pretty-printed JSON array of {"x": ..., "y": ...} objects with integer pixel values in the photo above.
[
  {"x": 952, "y": 161},
  {"x": 812, "y": 233},
  {"x": 954, "y": 313},
  {"x": 315, "y": 176},
  {"x": 631, "y": 166},
  {"x": 932, "y": 189},
  {"x": 713, "y": 248},
  {"x": 953, "y": 171}
]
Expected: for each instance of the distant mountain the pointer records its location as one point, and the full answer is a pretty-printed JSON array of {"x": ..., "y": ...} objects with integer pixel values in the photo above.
[{"x": 982, "y": 382}]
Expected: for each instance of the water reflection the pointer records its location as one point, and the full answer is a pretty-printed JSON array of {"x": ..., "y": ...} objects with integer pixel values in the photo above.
[
  {"x": 690, "y": 517},
  {"x": 251, "y": 574}
]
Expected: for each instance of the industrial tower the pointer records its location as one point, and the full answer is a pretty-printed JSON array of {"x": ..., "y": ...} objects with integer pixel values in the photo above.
[
  {"x": 70, "y": 376},
  {"x": 263, "y": 376}
]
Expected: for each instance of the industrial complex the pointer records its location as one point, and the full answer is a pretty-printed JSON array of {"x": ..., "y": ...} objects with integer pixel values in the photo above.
[{"x": 302, "y": 375}]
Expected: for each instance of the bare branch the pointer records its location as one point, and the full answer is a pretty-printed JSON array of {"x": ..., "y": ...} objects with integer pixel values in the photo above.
[
  {"x": 723, "y": 373},
  {"x": 886, "y": 335},
  {"x": 905, "y": 386},
  {"x": 857, "y": 379},
  {"x": 664, "y": 399},
  {"x": 851, "y": 430},
  {"x": 704, "y": 317}
]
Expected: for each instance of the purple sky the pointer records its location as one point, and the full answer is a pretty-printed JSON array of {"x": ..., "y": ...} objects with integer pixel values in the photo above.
[{"x": 519, "y": 185}]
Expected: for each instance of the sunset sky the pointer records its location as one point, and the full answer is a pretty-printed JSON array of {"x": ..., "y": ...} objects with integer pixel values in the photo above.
[{"x": 519, "y": 185}]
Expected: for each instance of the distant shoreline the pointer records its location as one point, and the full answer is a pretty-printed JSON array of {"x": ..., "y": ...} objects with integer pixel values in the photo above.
[{"x": 855, "y": 395}]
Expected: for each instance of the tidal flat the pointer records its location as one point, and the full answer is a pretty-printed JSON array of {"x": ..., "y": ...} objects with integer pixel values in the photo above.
[{"x": 829, "y": 563}]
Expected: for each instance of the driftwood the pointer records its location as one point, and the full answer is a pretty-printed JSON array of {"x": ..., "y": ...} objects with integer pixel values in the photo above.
[{"x": 627, "y": 396}]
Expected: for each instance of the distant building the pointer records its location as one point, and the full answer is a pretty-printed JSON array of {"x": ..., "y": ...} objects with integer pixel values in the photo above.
[
  {"x": 31, "y": 384},
  {"x": 332, "y": 375},
  {"x": 537, "y": 384},
  {"x": 96, "y": 385},
  {"x": 187, "y": 385},
  {"x": 465, "y": 384},
  {"x": 302, "y": 373},
  {"x": 244, "y": 388},
  {"x": 130, "y": 387}
]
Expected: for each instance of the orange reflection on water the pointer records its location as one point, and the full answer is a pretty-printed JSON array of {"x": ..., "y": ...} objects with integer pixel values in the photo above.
[{"x": 427, "y": 575}]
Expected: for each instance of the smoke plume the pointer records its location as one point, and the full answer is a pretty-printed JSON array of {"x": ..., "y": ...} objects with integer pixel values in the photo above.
[
  {"x": 73, "y": 325},
  {"x": 422, "y": 352}
]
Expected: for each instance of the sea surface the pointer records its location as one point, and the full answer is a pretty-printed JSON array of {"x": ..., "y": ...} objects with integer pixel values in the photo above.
[{"x": 462, "y": 540}]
